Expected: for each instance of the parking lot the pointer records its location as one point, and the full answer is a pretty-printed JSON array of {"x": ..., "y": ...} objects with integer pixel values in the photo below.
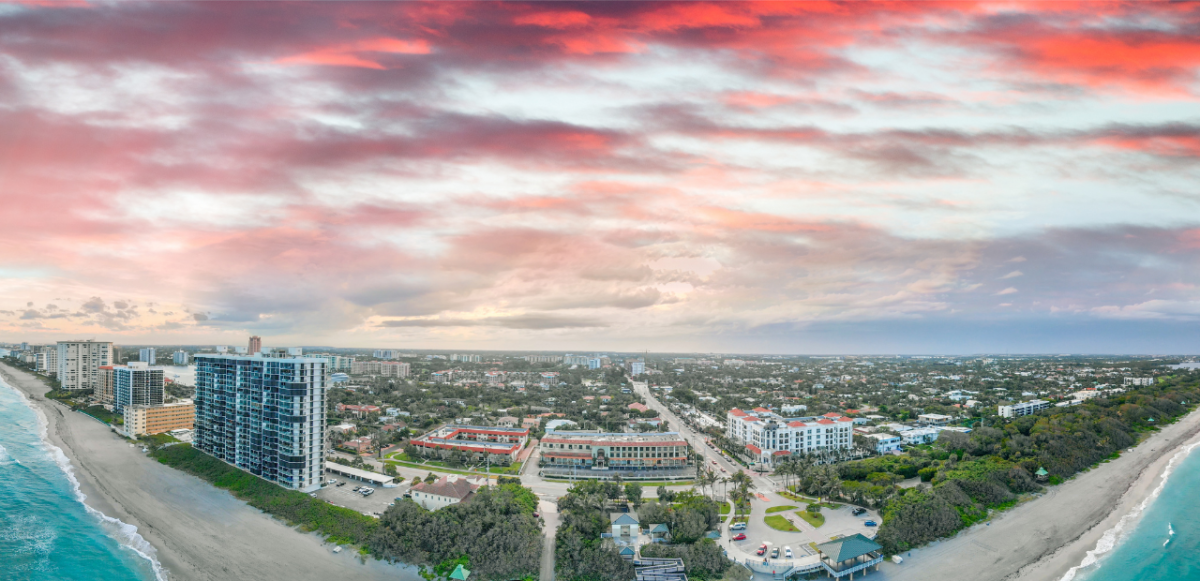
[{"x": 346, "y": 497}]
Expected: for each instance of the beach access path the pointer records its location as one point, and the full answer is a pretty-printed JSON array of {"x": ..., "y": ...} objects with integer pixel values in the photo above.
[
  {"x": 1040, "y": 540},
  {"x": 200, "y": 532}
]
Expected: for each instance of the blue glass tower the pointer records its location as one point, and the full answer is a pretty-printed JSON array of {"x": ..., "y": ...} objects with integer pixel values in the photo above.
[{"x": 265, "y": 415}]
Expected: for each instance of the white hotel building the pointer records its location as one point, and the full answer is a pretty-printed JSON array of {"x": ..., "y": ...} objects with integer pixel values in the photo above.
[{"x": 769, "y": 436}]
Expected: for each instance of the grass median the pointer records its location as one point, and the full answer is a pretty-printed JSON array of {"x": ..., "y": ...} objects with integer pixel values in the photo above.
[{"x": 780, "y": 523}]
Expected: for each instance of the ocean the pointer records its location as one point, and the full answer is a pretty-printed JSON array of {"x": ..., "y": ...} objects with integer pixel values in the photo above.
[
  {"x": 46, "y": 530},
  {"x": 1160, "y": 541}
]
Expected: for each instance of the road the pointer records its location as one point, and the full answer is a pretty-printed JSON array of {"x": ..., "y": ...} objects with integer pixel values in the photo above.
[{"x": 697, "y": 440}]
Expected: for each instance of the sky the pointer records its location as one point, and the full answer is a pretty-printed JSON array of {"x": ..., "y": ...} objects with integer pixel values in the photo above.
[{"x": 729, "y": 177}]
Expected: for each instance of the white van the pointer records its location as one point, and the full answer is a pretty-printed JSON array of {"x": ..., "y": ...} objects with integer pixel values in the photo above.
[{"x": 739, "y": 526}]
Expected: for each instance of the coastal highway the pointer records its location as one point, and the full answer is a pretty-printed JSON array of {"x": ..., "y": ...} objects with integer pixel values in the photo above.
[{"x": 696, "y": 439}]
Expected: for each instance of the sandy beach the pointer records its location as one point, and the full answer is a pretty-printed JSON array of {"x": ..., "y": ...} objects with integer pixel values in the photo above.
[
  {"x": 199, "y": 532},
  {"x": 1042, "y": 539}
]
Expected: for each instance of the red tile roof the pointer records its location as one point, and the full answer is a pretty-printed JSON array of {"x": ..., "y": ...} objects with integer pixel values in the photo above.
[
  {"x": 737, "y": 413},
  {"x": 762, "y": 410},
  {"x": 753, "y": 448}
]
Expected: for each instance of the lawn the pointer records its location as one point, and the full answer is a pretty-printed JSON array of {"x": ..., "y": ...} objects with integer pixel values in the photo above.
[
  {"x": 780, "y": 508},
  {"x": 724, "y": 508},
  {"x": 796, "y": 497},
  {"x": 816, "y": 520},
  {"x": 781, "y": 524}
]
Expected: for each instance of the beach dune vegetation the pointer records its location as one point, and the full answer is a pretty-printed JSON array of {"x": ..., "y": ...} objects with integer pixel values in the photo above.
[{"x": 337, "y": 524}]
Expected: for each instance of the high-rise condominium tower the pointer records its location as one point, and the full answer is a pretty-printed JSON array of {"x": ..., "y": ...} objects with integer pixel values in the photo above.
[
  {"x": 79, "y": 363},
  {"x": 265, "y": 415},
  {"x": 255, "y": 345},
  {"x": 136, "y": 384}
]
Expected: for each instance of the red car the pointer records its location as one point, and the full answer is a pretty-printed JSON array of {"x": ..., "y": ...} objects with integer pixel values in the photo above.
[
  {"x": 740, "y": 537},
  {"x": 761, "y": 550}
]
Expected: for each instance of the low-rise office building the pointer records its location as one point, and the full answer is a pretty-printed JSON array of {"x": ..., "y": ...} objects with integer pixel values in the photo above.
[
  {"x": 584, "y": 454},
  {"x": 143, "y": 420}
]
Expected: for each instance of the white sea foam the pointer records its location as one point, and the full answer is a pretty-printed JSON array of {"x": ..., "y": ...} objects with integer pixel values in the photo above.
[
  {"x": 124, "y": 533},
  {"x": 5, "y": 458},
  {"x": 1113, "y": 536}
]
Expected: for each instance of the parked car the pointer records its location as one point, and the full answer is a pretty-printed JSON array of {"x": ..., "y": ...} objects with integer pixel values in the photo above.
[
  {"x": 537, "y": 515},
  {"x": 761, "y": 550},
  {"x": 775, "y": 553},
  {"x": 871, "y": 523},
  {"x": 341, "y": 483},
  {"x": 739, "y": 537},
  {"x": 737, "y": 526},
  {"x": 787, "y": 552},
  {"x": 859, "y": 511},
  {"x": 331, "y": 481}
]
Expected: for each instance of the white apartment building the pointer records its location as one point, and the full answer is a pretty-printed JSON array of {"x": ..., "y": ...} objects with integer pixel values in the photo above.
[
  {"x": 147, "y": 355},
  {"x": 769, "y": 436},
  {"x": 885, "y": 443},
  {"x": 919, "y": 436},
  {"x": 181, "y": 358},
  {"x": 1023, "y": 409},
  {"x": 1139, "y": 381},
  {"x": 47, "y": 360},
  {"x": 79, "y": 363},
  {"x": 384, "y": 368}
]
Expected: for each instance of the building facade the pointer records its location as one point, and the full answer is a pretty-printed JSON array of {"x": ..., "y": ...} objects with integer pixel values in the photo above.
[
  {"x": 444, "y": 492},
  {"x": 543, "y": 358},
  {"x": 265, "y": 415},
  {"x": 47, "y": 360},
  {"x": 104, "y": 391},
  {"x": 501, "y": 444},
  {"x": 147, "y": 355},
  {"x": 79, "y": 363},
  {"x": 635, "y": 367},
  {"x": 181, "y": 358},
  {"x": 770, "y": 437},
  {"x": 255, "y": 345},
  {"x": 582, "y": 454},
  {"x": 1023, "y": 409},
  {"x": 158, "y": 419},
  {"x": 136, "y": 384},
  {"x": 384, "y": 368}
]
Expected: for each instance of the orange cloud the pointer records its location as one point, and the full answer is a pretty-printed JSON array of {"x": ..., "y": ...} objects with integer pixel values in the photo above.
[{"x": 347, "y": 55}]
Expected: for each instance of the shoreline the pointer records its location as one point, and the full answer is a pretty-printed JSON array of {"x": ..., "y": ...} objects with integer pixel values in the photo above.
[
  {"x": 1044, "y": 538},
  {"x": 196, "y": 531}
]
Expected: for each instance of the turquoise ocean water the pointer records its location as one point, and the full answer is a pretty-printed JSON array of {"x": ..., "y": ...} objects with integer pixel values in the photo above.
[
  {"x": 46, "y": 531},
  {"x": 1160, "y": 543}
]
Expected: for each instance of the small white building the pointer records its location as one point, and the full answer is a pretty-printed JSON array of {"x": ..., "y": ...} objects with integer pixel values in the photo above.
[
  {"x": 920, "y": 436},
  {"x": 934, "y": 419},
  {"x": 1023, "y": 409},
  {"x": 886, "y": 443}
]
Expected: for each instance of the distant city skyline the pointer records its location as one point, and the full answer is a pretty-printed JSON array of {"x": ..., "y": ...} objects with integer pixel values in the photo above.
[{"x": 861, "y": 178}]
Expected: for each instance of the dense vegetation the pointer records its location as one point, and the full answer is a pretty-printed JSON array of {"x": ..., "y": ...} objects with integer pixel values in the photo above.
[
  {"x": 579, "y": 551},
  {"x": 702, "y": 560},
  {"x": 338, "y": 525},
  {"x": 582, "y": 555},
  {"x": 989, "y": 467},
  {"x": 494, "y": 534}
]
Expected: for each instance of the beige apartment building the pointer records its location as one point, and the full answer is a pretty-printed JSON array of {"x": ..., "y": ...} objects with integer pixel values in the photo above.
[
  {"x": 79, "y": 363},
  {"x": 157, "y": 419}
]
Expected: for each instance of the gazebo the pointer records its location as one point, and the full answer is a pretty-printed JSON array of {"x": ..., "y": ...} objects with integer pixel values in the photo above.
[
  {"x": 460, "y": 573},
  {"x": 850, "y": 555}
]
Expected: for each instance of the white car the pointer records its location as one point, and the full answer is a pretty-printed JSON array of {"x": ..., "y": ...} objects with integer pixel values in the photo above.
[{"x": 787, "y": 552}]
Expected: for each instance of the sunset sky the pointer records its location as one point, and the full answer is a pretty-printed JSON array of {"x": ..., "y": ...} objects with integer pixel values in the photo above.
[{"x": 742, "y": 177}]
